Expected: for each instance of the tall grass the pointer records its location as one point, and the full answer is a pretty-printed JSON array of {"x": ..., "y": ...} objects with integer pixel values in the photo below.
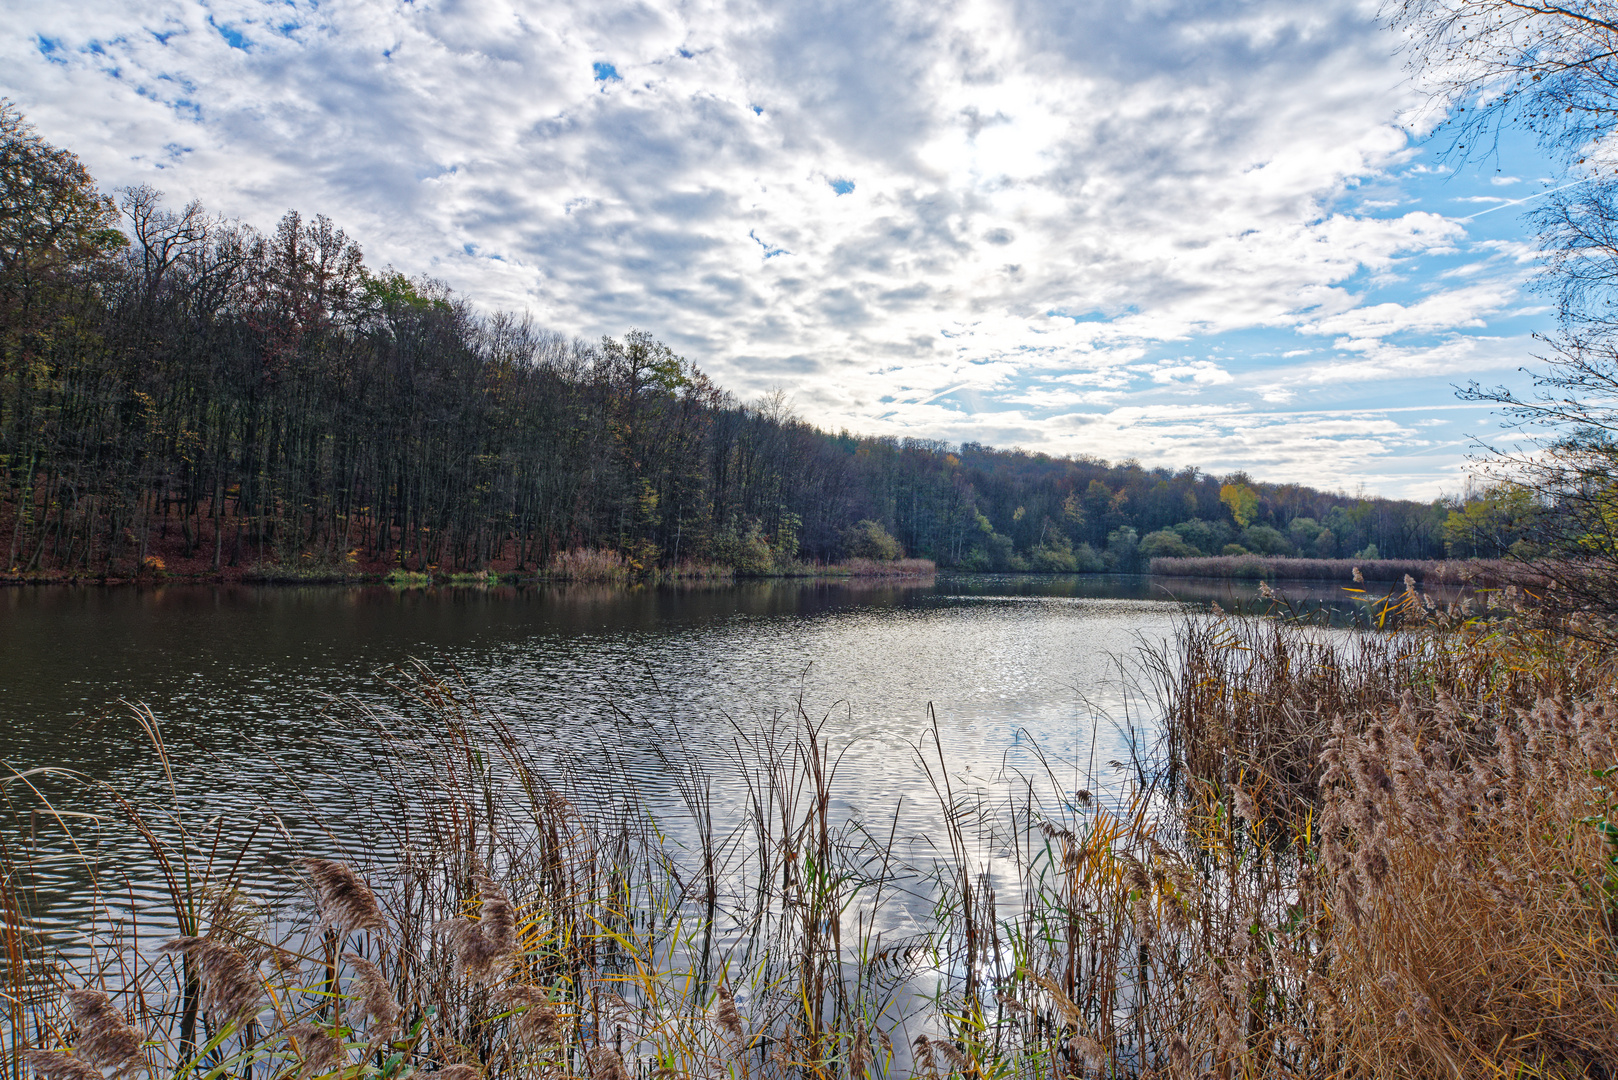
[
  {"x": 1355, "y": 855},
  {"x": 590, "y": 565}
]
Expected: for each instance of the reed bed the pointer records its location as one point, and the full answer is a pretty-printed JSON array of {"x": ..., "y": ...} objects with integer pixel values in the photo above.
[
  {"x": 1352, "y": 855},
  {"x": 590, "y": 565}
]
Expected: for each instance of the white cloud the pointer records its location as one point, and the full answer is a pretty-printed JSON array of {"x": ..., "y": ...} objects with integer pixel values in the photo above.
[
  {"x": 1454, "y": 308},
  {"x": 1455, "y": 357},
  {"x": 1186, "y": 372},
  {"x": 1152, "y": 175}
]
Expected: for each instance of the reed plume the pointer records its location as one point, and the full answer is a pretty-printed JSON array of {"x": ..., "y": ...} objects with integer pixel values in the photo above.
[
  {"x": 536, "y": 1020},
  {"x": 60, "y": 1065},
  {"x": 375, "y": 993},
  {"x": 729, "y": 1020},
  {"x": 319, "y": 1052},
  {"x": 859, "y": 1054},
  {"x": 231, "y": 990},
  {"x": 344, "y": 900},
  {"x": 105, "y": 1037},
  {"x": 482, "y": 945},
  {"x": 607, "y": 1064},
  {"x": 924, "y": 1055}
]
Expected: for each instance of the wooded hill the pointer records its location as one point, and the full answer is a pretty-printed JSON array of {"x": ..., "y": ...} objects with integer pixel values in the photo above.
[{"x": 170, "y": 380}]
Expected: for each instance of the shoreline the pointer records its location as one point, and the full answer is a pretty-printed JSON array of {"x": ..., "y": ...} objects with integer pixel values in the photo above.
[
  {"x": 1276, "y": 571},
  {"x": 904, "y": 571}
]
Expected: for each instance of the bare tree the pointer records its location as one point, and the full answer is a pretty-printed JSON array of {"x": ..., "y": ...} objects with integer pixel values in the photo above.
[
  {"x": 1541, "y": 66},
  {"x": 1550, "y": 69}
]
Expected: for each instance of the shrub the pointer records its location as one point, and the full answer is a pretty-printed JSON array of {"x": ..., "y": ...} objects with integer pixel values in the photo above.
[
  {"x": 1053, "y": 560},
  {"x": 744, "y": 546},
  {"x": 1001, "y": 551},
  {"x": 869, "y": 540},
  {"x": 1205, "y": 535},
  {"x": 1244, "y": 565},
  {"x": 1265, "y": 541},
  {"x": 1123, "y": 549},
  {"x": 1165, "y": 542},
  {"x": 1087, "y": 560}
]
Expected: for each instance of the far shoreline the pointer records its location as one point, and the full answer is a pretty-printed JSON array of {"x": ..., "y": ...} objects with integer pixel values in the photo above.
[{"x": 1231, "y": 569}]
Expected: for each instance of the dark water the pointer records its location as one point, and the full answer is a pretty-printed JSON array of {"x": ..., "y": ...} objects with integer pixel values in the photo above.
[{"x": 242, "y": 681}]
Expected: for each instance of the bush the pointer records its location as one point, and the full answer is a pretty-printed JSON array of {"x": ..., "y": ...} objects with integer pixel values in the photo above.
[
  {"x": 1166, "y": 542},
  {"x": 1265, "y": 541},
  {"x": 1204, "y": 535},
  {"x": 1303, "y": 530},
  {"x": 1087, "y": 560},
  {"x": 1001, "y": 551},
  {"x": 745, "y": 548},
  {"x": 1123, "y": 549},
  {"x": 1053, "y": 560},
  {"x": 869, "y": 540}
]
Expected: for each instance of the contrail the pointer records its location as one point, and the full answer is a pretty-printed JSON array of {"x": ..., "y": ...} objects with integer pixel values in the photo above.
[
  {"x": 940, "y": 394},
  {"x": 1525, "y": 198}
]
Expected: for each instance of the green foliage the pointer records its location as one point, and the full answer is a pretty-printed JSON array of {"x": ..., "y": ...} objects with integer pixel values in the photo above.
[
  {"x": 1123, "y": 550},
  {"x": 1205, "y": 536},
  {"x": 744, "y": 546},
  {"x": 391, "y": 290},
  {"x": 1265, "y": 540},
  {"x": 1166, "y": 542},
  {"x": 1494, "y": 522},
  {"x": 1054, "y": 555},
  {"x": 867, "y": 539},
  {"x": 1302, "y": 531},
  {"x": 1001, "y": 551}
]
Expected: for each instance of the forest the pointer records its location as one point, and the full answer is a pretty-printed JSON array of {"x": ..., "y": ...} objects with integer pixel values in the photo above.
[{"x": 173, "y": 382}]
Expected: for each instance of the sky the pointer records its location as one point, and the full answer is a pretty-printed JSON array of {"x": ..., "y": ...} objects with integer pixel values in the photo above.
[{"x": 1191, "y": 232}]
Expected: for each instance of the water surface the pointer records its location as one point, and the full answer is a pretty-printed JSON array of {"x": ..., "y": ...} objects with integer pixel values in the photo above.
[{"x": 1018, "y": 674}]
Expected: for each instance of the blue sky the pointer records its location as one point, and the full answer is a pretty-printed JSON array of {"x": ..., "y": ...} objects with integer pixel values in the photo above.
[{"x": 1194, "y": 233}]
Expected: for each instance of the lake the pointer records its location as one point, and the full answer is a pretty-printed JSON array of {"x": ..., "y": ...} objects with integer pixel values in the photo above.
[{"x": 1020, "y": 674}]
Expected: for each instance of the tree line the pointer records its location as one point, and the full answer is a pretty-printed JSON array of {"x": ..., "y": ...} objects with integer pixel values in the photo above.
[{"x": 173, "y": 380}]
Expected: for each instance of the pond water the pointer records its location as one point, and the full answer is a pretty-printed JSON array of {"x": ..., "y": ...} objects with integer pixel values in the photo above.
[{"x": 1016, "y": 672}]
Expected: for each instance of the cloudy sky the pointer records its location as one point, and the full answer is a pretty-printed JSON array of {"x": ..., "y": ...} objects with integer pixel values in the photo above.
[{"x": 1194, "y": 232}]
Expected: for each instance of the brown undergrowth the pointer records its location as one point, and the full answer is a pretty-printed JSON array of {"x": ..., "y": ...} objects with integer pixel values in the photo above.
[
  {"x": 1448, "y": 788},
  {"x": 1359, "y": 855}
]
